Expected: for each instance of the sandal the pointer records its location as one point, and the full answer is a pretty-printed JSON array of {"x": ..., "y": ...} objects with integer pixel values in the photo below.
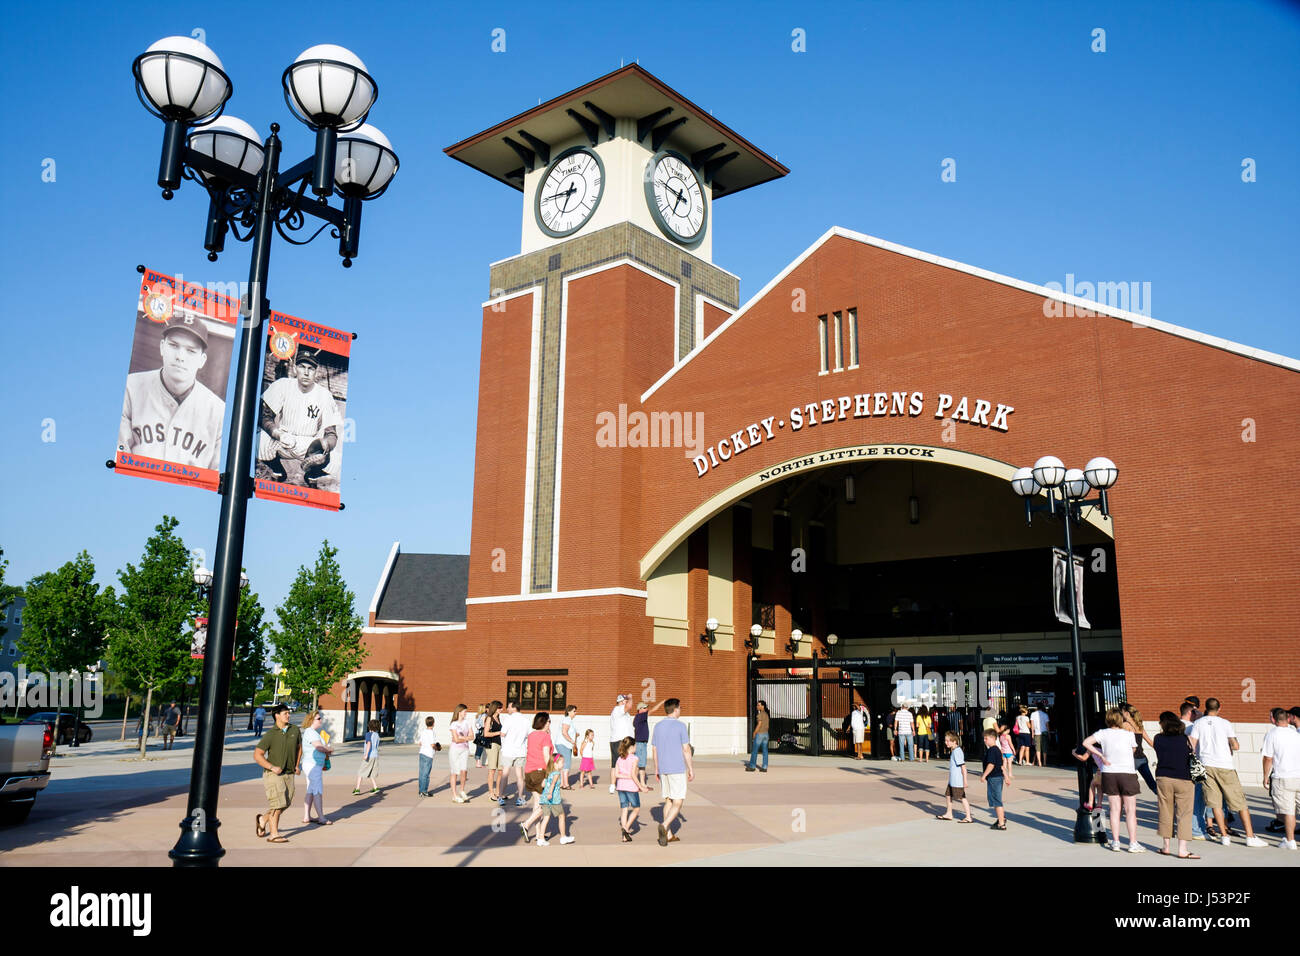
[
  {"x": 1186, "y": 856},
  {"x": 261, "y": 830},
  {"x": 967, "y": 820},
  {"x": 940, "y": 816},
  {"x": 277, "y": 839},
  {"x": 323, "y": 823}
]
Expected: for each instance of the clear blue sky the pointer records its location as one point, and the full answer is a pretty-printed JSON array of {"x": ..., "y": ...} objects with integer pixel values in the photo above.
[{"x": 1115, "y": 166}]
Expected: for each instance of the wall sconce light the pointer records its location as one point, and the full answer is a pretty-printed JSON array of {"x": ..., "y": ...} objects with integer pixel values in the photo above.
[
  {"x": 709, "y": 637},
  {"x": 755, "y": 632},
  {"x": 914, "y": 510},
  {"x": 793, "y": 644},
  {"x": 850, "y": 490}
]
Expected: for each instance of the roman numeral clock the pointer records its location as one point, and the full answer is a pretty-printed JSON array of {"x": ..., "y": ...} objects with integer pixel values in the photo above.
[{"x": 618, "y": 178}]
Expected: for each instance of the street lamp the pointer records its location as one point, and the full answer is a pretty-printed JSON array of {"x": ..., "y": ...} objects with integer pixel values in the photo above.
[
  {"x": 1066, "y": 490},
  {"x": 183, "y": 83},
  {"x": 793, "y": 644},
  {"x": 710, "y": 635}
]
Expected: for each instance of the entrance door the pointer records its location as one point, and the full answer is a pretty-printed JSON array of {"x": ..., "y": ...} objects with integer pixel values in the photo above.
[
  {"x": 837, "y": 699},
  {"x": 787, "y": 702}
]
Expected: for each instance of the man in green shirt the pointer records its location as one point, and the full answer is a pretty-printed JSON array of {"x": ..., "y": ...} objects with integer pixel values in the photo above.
[{"x": 279, "y": 754}]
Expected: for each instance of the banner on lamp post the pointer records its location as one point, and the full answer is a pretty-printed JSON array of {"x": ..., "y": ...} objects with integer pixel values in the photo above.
[
  {"x": 174, "y": 406},
  {"x": 1060, "y": 596},
  {"x": 301, "y": 426}
]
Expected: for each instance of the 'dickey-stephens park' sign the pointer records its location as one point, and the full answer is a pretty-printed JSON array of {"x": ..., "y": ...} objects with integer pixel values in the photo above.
[{"x": 861, "y": 405}]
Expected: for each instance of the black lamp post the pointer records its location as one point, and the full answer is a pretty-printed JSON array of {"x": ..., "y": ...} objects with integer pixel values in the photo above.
[
  {"x": 182, "y": 82},
  {"x": 1066, "y": 496}
]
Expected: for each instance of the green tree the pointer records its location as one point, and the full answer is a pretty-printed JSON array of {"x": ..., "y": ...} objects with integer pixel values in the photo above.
[
  {"x": 149, "y": 644},
  {"x": 8, "y": 593},
  {"x": 65, "y": 622},
  {"x": 250, "y": 648},
  {"x": 319, "y": 637}
]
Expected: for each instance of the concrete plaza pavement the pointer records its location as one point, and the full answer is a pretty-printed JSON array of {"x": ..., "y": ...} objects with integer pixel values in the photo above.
[{"x": 105, "y": 808}]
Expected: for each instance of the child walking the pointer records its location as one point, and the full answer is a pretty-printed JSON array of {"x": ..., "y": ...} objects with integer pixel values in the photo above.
[
  {"x": 552, "y": 804},
  {"x": 629, "y": 786},
  {"x": 369, "y": 760},
  {"x": 588, "y": 755},
  {"x": 956, "y": 777}
]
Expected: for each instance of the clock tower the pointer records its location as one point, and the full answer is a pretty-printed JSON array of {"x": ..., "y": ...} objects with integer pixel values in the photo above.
[{"x": 612, "y": 288}]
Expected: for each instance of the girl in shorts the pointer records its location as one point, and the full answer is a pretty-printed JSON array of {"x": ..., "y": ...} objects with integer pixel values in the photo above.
[
  {"x": 588, "y": 754},
  {"x": 628, "y": 786}
]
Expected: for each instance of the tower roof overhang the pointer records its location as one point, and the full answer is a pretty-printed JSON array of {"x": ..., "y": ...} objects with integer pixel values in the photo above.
[{"x": 664, "y": 118}]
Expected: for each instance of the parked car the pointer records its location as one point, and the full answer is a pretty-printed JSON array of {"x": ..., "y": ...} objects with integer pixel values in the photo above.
[
  {"x": 67, "y": 724},
  {"x": 24, "y": 768}
]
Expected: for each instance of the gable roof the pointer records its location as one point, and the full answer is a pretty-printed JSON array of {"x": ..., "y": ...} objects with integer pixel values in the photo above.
[
  {"x": 422, "y": 589},
  {"x": 1260, "y": 355}
]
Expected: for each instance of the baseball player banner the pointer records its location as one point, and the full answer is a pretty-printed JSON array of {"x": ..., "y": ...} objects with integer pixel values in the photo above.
[
  {"x": 175, "y": 405},
  {"x": 300, "y": 432},
  {"x": 199, "y": 640}
]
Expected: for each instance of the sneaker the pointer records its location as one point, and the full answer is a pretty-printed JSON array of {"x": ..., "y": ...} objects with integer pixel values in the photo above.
[
  {"x": 1226, "y": 840},
  {"x": 542, "y": 841},
  {"x": 1136, "y": 848},
  {"x": 524, "y": 830},
  {"x": 762, "y": 770},
  {"x": 501, "y": 801},
  {"x": 748, "y": 769},
  {"x": 1198, "y": 836},
  {"x": 520, "y": 802},
  {"x": 1289, "y": 845},
  {"x": 566, "y": 839},
  {"x": 355, "y": 792},
  {"x": 663, "y": 835},
  {"x": 1255, "y": 841},
  {"x": 611, "y": 788}
]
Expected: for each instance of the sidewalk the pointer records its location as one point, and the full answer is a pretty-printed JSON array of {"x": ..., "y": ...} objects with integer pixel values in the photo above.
[{"x": 105, "y": 809}]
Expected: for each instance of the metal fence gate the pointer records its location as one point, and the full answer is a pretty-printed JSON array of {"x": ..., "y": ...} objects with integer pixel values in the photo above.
[{"x": 787, "y": 704}]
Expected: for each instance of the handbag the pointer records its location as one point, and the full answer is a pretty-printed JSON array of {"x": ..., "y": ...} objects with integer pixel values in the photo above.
[{"x": 1195, "y": 767}]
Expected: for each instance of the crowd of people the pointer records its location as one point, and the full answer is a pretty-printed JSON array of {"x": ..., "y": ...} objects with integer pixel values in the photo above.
[
  {"x": 1195, "y": 783},
  {"x": 507, "y": 743}
]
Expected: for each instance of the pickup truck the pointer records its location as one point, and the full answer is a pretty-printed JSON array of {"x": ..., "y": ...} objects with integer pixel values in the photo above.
[{"x": 24, "y": 768}]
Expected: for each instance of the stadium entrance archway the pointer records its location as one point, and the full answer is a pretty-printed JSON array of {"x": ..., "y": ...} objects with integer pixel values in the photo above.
[{"x": 919, "y": 560}]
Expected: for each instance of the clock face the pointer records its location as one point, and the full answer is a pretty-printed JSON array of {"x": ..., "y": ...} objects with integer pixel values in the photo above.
[
  {"x": 570, "y": 192},
  {"x": 676, "y": 197}
]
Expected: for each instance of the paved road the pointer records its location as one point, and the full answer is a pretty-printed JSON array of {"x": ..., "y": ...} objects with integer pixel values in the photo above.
[{"x": 105, "y": 808}]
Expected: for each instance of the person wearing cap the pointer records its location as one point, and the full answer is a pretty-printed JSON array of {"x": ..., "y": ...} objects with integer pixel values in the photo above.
[
  {"x": 620, "y": 726},
  {"x": 300, "y": 425},
  {"x": 279, "y": 754},
  {"x": 166, "y": 412}
]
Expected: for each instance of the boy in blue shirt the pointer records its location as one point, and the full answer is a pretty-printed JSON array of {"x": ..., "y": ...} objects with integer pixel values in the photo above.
[{"x": 992, "y": 776}]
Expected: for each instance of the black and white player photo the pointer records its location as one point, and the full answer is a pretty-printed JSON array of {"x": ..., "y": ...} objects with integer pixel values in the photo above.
[
  {"x": 174, "y": 404},
  {"x": 301, "y": 420}
]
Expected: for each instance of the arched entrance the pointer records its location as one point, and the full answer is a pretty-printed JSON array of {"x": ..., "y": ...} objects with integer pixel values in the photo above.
[
  {"x": 369, "y": 695},
  {"x": 917, "y": 558}
]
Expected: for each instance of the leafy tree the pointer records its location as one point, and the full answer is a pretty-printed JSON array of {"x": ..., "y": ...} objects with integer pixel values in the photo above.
[
  {"x": 250, "y": 649},
  {"x": 65, "y": 621},
  {"x": 319, "y": 637},
  {"x": 8, "y": 593},
  {"x": 149, "y": 646}
]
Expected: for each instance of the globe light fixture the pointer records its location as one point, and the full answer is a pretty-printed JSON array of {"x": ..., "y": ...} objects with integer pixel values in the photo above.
[
  {"x": 202, "y": 577},
  {"x": 1023, "y": 483},
  {"x": 327, "y": 88},
  {"x": 1101, "y": 473},
  {"x": 180, "y": 81},
  {"x": 1049, "y": 471},
  {"x": 1075, "y": 485},
  {"x": 228, "y": 140},
  {"x": 364, "y": 166}
]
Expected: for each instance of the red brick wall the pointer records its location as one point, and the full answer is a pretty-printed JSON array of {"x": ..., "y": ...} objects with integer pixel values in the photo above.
[
  {"x": 713, "y": 317},
  {"x": 1208, "y": 582}
]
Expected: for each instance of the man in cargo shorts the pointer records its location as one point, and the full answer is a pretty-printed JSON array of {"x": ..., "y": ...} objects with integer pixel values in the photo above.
[{"x": 279, "y": 754}]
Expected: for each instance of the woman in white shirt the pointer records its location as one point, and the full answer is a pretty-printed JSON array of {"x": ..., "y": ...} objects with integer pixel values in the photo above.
[
  {"x": 314, "y": 754},
  {"x": 1119, "y": 779}
]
